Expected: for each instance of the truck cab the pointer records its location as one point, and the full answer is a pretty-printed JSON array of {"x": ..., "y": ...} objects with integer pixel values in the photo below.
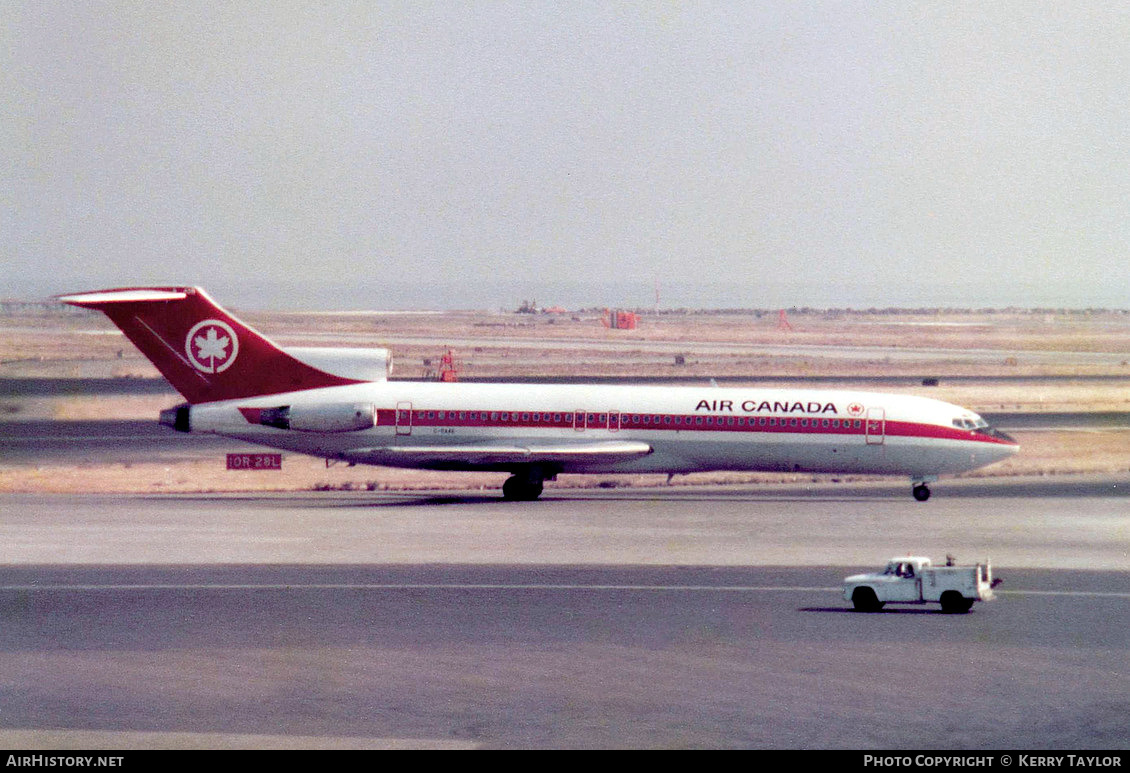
[{"x": 902, "y": 579}]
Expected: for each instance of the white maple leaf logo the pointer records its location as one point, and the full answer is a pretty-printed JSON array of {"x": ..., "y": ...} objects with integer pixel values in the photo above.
[{"x": 211, "y": 346}]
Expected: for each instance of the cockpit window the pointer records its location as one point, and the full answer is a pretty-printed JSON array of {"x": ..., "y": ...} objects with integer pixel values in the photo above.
[
  {"x": 963, "y": 422},
  {"x": 980, "y": 426}
]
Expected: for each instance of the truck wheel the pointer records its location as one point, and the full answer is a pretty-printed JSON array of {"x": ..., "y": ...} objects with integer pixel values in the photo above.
[
  {"x": 865, "y": 600},
  {"x": 953, "y": 603}
]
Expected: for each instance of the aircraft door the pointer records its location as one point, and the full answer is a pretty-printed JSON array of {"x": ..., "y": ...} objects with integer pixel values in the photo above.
[
  {"x": 404, "y": 418},
  {"x": 875, "y": 426},
  {"x": 609, "y": 421}
]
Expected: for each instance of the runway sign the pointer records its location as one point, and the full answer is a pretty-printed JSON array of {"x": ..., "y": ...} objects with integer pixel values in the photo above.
[{"x": 254, "y": 461}]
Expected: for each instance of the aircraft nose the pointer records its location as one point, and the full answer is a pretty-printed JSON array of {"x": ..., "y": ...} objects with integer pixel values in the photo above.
[
  {"x": 1005, "y": 437},
  {"x": 1008, "y": 445}
]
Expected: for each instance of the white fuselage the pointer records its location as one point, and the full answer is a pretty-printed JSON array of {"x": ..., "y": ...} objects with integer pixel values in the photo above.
[{"x": 688, "y": 429}]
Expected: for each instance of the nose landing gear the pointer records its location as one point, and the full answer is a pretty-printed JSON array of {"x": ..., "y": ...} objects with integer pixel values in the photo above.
[{"x": 921, "y": 492}]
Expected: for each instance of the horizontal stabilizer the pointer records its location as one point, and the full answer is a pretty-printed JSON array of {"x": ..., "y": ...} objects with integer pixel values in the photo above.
[{"x": 122, "y": 296}]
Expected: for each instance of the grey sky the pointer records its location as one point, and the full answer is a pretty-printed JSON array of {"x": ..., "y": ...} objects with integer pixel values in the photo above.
[{"x": 783, "y": 153}]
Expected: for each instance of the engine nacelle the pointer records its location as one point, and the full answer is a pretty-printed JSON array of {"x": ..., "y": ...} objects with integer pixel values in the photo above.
[
  {"x": 326, "y": 417},
  {"x": 360, "y": 364}
]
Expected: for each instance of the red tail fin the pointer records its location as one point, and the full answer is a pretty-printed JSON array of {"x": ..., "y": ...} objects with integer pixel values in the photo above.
[{"x": 204, "y": 352}]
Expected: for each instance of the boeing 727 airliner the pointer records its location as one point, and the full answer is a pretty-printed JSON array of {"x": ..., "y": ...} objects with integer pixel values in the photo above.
[{"x": 339, "y": 404}]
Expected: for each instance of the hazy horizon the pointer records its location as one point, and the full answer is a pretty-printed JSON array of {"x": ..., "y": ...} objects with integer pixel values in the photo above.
[
  {"x": 495, "y": 296},
  {"x": 472, "y": 155}
]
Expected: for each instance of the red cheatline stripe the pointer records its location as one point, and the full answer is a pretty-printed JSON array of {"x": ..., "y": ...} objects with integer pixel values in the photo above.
[{"x": 595, "y": 421}]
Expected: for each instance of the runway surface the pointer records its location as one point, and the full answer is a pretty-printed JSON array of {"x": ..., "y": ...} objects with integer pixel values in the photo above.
[{"x": 698, "y": 618}]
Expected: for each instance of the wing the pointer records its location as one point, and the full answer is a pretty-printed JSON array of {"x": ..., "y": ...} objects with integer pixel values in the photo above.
[{"x": 499, "y": 456}]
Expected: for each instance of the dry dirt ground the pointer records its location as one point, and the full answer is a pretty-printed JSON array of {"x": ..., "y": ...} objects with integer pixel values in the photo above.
[{"x": 1020, "y": 361}]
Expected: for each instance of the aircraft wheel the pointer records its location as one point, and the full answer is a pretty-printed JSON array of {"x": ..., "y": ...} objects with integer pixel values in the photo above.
[
  {"x": 921, "y": 492},
  {"x": 519, "y": 489}
]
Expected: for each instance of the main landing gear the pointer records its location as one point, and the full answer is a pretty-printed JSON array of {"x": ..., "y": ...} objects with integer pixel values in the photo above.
[
  {"x": 524, "y": 486},
  {"x": 921, "y": 492},
  {"x": 518, "y": 489}
]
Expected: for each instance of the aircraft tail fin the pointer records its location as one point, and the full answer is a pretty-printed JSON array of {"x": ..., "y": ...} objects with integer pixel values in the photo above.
[{"x": 202, "y": 350}]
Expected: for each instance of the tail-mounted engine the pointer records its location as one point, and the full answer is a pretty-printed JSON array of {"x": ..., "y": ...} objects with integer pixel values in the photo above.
[
  {"x": 360, "y": 364},
  {"x": 327, "y": 417},
  {"x": 177, "y": 418}
]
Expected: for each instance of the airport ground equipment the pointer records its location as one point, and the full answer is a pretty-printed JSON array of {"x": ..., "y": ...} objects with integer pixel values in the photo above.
[{"x": 913, "y": 580}]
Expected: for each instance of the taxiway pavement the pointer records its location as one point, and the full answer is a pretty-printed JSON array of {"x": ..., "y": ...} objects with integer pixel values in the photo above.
[{"x": 622, "y": 618}]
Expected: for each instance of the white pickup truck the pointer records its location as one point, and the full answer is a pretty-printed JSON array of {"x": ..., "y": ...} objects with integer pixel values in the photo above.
[{"x": 912, "y": 580}]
